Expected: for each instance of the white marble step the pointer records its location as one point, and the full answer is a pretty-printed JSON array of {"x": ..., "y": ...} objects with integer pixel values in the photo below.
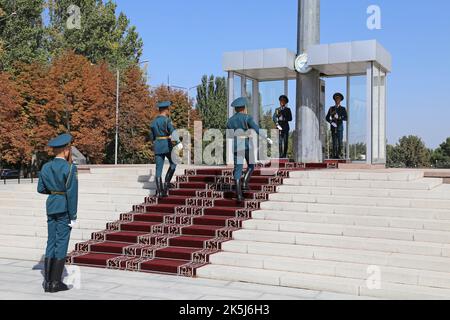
[
  {"x": 83, "y": 198},
  {"x": 111, "y": 188},
  {"x": 363, "y": 201},
  {"x": 313, "y": 266},
  {"x": 42, "y": 232},
  {"x": 95, "y": 187},
  {"x": 27, "y": 254},
  {"x": 82, "y": 223},
  {"x": 360, "y": 210},
  {"x": 359, "y": 175},
  {"x": 343, "y": 242},
  {"x": 27, "y": 213},
  {"x": 386, "y": 259},
  {"x": 421, "y": 184},
  {"x": 315, "y": 282},
  {"x": 96, "y": 206},
  {"x": 441, "y": 192},
  {"x": 353, "y": 220},
  {"x": 115, "y": 178},
  {"x": 31, "y": 242},
  {"x": 349, "y": 231}
]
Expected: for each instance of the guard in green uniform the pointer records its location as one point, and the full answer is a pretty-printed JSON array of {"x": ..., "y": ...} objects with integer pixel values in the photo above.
[
  {"x": 165, "y": 138},
  {"x": 59, "y": 179},
  {"x": 241, "y": 122}
]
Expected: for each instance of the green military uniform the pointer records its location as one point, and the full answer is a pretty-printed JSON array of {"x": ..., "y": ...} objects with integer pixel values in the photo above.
[
  {"x": 162, "y": 132},
  {"x": 242, "y": 122},
  {"x": 59, "y": 180}
]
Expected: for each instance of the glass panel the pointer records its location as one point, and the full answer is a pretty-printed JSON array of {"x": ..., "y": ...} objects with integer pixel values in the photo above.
[
  {"x": 249, "y": 93},
  {"x": 376, "y": 114},
  {"x": 237, "y": 86},
  {"x": 269, "y": 92},
  {"x": 382, "y": 121},
  {"x": 358, "y": 118}
]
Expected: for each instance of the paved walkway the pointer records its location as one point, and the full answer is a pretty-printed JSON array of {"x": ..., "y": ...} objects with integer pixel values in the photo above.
[{"x": 22, "y": 280}]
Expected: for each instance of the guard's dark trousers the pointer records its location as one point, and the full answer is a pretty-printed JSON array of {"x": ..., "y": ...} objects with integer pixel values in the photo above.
[
  {"x": 338, "y": 142},
  {"x": 284, "y": 143}
]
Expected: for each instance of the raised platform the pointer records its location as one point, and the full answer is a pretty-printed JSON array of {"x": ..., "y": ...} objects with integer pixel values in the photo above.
[
  {"x": 347, "y": 164},
  {"x": 439, "y": 173}
]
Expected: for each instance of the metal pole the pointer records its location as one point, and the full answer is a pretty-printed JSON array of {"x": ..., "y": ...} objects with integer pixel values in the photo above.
[{"x": 117, "y": 118}]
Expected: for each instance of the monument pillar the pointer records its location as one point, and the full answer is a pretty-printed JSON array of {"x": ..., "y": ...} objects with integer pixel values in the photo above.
[{"x": 308, "y": 145}]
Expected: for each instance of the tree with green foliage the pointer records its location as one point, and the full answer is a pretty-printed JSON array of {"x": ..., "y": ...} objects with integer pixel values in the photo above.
[
  {"x": 102, "y": 35},
  {"x": 409, "y": 152},
  {"x": 22, "y": 33},
  {"x": 212, "y": 102},
  {"x": 441, "y": 156},
  {"x": 266, "y": 120}
]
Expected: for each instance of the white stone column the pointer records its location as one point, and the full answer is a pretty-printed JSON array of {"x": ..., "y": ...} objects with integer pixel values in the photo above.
[
  {"x": 308, "y": 142},
  {"x": 229, "y": 142}
]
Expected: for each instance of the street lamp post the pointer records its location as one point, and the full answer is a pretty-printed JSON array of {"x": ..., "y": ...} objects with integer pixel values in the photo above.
[{"x": 117, "y": 113}]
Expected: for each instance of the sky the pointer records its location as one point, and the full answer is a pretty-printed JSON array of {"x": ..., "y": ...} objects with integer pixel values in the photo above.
[{"x": 185, "y": 39}]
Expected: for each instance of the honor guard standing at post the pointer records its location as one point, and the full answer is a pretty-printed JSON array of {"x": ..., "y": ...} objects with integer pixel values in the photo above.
[
  {"x": 59, "y": 180},
  {"x": 282, "y": 117},
  {"x": 336, "y": 117},
  {"x": 163, "y": 133},
  {"x": 244, "y": 122}
]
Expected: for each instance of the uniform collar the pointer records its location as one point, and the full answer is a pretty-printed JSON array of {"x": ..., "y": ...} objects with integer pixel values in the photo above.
[{"x": 60, "y": 158}]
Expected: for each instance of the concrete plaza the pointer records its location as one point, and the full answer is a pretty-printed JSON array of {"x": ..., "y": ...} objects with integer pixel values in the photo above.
[{"x": 22, "y": 280}]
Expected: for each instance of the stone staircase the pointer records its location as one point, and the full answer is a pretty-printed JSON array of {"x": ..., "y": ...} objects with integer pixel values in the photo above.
[
  {"x": 335, "y": 230},
  {"x": 177, "y": 234},
  {"x": 104, "y": 194}
]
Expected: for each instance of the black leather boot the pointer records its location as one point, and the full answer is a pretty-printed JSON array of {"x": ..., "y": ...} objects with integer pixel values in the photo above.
[
  {"x": 247, "y": 177},
  {"x": 169, "y": 176},
  {"x": 47, "y": 273},
  {"x": 158, "y": 189},
  {"x": 56, "y": 284},
  {"x": 239, "y": 195},
  {"x": 163, "y": 192}
]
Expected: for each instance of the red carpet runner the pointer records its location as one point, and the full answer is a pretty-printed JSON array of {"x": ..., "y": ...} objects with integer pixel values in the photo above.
[{"x": 176, "y": 235}]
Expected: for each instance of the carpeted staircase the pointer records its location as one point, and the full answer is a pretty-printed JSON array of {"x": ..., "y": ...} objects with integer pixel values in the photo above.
[{"x": 177, "y": 234}]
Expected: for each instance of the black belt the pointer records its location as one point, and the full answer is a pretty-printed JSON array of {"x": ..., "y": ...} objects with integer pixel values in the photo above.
[{"x": 57, "y": 193}]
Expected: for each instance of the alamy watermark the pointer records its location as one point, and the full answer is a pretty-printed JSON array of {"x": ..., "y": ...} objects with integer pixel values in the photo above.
[
  {"x": 210, "y": 146},
  {"x": 373, "y": 281},
  {"x": 74, "y": 20},
  {"x": 73, "y": 277},
  {"x": 374, "y": 19}
]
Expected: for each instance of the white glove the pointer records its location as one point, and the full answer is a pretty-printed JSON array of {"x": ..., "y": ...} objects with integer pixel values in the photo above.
[
  {"x": 179, "y": 147},
  {"x": 334, "y": 124},
  {"x": 270, "y": 141},
  {"x": 279, "y": 127},
  {"x": 72, "y": 224}
]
